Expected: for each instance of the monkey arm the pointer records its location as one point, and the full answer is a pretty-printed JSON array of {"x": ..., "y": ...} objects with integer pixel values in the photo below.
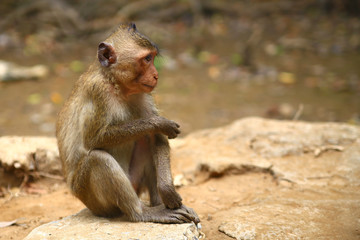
[
  {"x": 161, "y": 153},
  {"x": 115, "y": 134}
]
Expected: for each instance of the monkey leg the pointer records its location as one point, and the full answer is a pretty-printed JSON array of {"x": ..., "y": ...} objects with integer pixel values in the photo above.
[
  {"x": 142, "y": 170},
  {"x": 140, "y": 157},
  {"x": 103, "y": 186},
  {"x": 150, "y": 181},
  {"x": 105, "y": 189}
]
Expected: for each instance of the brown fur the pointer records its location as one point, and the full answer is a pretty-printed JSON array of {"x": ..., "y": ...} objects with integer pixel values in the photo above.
[{"x": 112, "y": 142}]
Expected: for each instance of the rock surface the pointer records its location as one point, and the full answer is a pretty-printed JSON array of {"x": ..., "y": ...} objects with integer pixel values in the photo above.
[
  {"x": 294, "y": 151},
  {"x": 316, "y": 165},
  {"x": 307, "y": 185},
  {"x": 84, "y": 225},
  {"x": 30, "y": 153}
]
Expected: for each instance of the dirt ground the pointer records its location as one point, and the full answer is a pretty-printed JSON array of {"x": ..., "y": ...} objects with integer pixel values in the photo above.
[
  {"x": 49, "y": 200},
  {"x": 53, "y": 201}
]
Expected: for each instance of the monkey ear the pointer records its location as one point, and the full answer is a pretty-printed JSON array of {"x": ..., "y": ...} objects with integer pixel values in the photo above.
[{"x": 106, "y": 54}]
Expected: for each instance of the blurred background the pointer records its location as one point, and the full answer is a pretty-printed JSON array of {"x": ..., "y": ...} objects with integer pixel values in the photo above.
[{"x": 220, "y": 59}]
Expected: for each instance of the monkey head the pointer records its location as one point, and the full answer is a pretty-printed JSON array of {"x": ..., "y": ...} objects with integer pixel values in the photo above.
[{"x": 127, "y": 58}]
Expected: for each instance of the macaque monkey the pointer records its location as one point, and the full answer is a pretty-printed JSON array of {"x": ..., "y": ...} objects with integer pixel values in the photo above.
[{"x": 113, "y": 144}]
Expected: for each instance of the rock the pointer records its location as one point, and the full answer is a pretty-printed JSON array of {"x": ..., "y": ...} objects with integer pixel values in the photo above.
[
  {"x": 30, "y": 153},
  {"x": 313, "y": 168},
  {"x": 238, "y": 230},
  {"x": 316, "y": 167},
  {"x": 10, "y": 71},
  {"x": 292, "y": 219},
  {"x": 84, "y": 225},
  {"x": 256, "y": 144}
]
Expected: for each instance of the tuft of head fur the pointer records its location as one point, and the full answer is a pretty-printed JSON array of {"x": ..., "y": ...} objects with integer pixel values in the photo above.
[{"x": 129, "y": 30}]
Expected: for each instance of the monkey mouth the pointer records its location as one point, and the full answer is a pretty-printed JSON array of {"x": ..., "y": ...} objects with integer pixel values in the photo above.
[{"x": 148, "y": 86}]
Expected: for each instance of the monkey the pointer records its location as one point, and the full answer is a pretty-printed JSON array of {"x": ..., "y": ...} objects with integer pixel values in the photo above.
[{"x": 113, "y": 144}]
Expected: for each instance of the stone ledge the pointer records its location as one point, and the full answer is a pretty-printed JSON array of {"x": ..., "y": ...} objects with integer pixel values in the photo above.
[{"x": 84, "y": 225}]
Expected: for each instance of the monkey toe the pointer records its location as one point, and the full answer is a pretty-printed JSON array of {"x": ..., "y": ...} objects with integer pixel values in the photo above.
[
  {"x": 186, "y": 216},
  {"x": 161, "y": 214},
  {"x": 192, "y": 214},
  {"x": 178, "y": 218}
]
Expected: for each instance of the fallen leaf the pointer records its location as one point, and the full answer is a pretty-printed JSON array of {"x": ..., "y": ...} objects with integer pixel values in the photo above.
[
  {"x": 33, "y": 189},
  {"x": 214, "y": 72},
  {"x": 77, "y": 66},
  {"x": 236, "y": 59},
  {"x": 287, "y": 78},
  {"x": 318, "y": 151},
  {"x": 204, "y": 56},
  {"x": 56, "y": 98},
  {"x": 7, "y": 224},
  {"x": 34, "y": 99}
]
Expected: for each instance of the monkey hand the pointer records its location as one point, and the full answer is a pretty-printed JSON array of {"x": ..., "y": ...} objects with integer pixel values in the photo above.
[
  {"x": 166, "y": 126},
  {"x": 169, "y": 196}
]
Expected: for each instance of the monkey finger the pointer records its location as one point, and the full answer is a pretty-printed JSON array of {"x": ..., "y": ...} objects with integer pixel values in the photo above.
[
  {"x": 176, "y": 134},
  {"x": 172, "y": 136},
  {"x": 174, "y": 124}
]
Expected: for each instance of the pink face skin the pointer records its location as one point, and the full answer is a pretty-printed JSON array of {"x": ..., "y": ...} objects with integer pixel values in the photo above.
[{"x": 148, "y": 76}]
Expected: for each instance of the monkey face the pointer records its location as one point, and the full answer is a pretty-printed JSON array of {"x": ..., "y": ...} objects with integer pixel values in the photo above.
[
  {"x": 149, "y": 76},
  {"x": 129, "y": 61}
]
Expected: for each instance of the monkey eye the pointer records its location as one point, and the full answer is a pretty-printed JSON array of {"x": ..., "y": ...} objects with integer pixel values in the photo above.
[{"x": 148, "y": 58}]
